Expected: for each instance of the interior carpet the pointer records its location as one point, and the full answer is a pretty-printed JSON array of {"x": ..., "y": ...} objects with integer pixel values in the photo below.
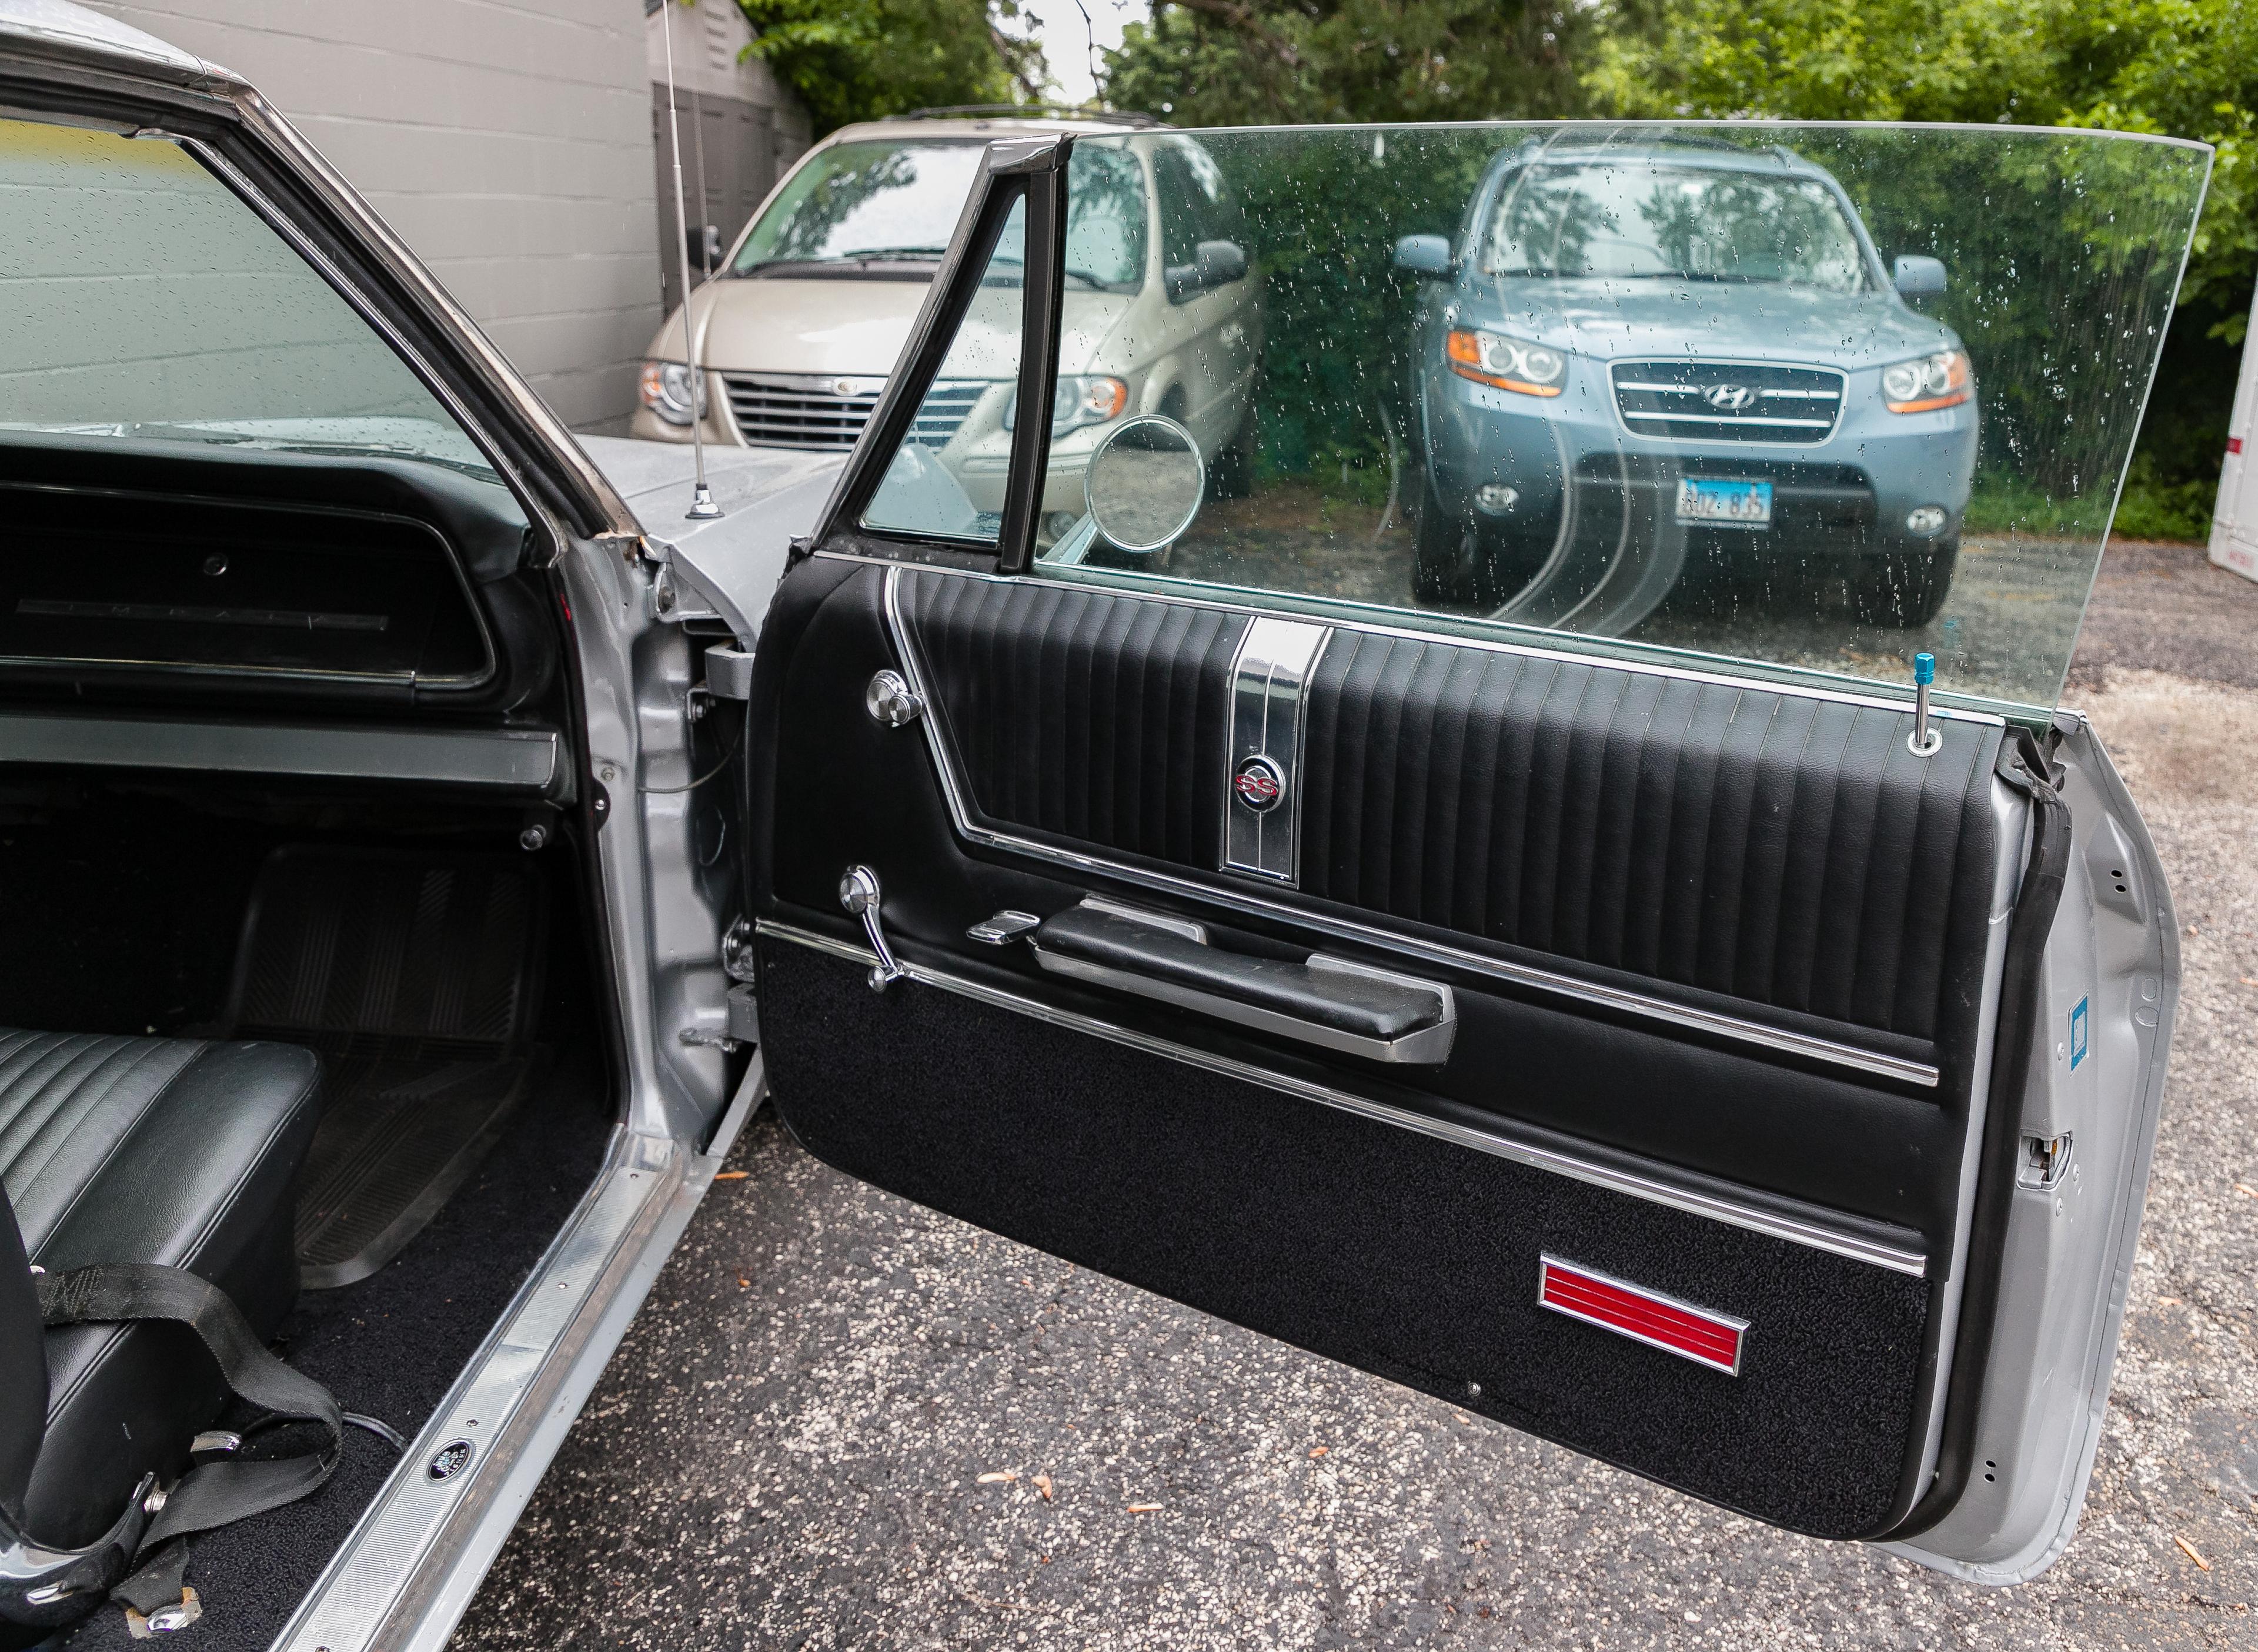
[{"x": 417, "y": 979}]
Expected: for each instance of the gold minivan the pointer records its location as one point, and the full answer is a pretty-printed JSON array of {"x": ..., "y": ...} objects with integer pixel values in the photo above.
[{"x": 796, "y": 334}]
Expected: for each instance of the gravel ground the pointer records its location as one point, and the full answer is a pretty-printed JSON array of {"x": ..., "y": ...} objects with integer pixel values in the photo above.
[{"x": 842, "y": 1421}]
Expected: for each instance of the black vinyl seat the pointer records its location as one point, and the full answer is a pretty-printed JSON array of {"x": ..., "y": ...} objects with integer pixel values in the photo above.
[{"x": 169, "y": 1151}]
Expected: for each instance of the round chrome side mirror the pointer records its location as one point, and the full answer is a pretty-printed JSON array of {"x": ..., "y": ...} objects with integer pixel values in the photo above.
[{"x": 1145, "y": 483}]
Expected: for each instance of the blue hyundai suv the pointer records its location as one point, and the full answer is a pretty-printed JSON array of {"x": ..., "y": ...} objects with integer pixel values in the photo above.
[{"x": 1636, "y": 355}]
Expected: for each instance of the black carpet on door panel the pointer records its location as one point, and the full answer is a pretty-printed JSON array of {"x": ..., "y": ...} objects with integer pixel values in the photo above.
[{"x": 1370, "y": 1243}]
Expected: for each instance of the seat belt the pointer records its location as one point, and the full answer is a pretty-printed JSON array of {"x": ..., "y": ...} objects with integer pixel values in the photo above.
[{"x": 214, "y": 1493}]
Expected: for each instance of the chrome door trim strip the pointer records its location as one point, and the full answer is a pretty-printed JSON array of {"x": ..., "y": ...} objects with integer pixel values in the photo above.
[
  {"x": 1813, "y": 1235},
  {"x": 1269, "y": 677},
  {"x": 1715, "y": 1023},
  {"x": 1376, "y": 628},
  {"x": 505, "y": 759}
]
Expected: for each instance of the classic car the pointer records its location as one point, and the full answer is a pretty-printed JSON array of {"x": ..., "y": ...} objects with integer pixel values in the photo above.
[
  {"x": 424, "y": 848},
  {"x": 1813, "y": 415}
]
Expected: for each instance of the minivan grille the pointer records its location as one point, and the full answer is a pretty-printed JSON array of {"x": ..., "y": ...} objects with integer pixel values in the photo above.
[
  {"x": 1728, "y": 402},
  {"x": 774, "y": 410},
  {"x": 945, "y": 408},
  {"x": 777, "y": 412}
]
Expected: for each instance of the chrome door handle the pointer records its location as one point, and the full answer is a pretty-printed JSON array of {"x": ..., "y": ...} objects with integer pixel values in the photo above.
[{"x": 858, "y": 893}]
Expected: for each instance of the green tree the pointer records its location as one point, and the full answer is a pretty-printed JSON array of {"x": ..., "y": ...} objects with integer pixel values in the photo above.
[
  {"x": 1244, "y": 62},
  {"x": 2185, "y": 68},
  {"x": 864, "y": 60}
]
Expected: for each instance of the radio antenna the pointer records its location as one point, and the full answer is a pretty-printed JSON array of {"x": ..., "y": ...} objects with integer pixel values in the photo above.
[{"x": 702, "y": 507}]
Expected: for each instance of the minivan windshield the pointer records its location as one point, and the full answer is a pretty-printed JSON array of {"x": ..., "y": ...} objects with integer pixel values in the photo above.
[
  {"x": 1671, "y": 223},
  {"x": 869, "y": 204}
]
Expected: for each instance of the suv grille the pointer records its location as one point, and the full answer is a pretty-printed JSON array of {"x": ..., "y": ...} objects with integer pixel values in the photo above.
[
  {"x": 779, "y": 411},
  {"x": 1729, "y": 402}
]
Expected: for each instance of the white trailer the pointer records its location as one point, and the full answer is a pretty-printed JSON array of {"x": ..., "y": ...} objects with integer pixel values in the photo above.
[{"x": 2234, "y": 524}]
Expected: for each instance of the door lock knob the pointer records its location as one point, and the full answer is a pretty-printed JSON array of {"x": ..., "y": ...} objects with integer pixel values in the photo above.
[{"x": 859, "y": 894}]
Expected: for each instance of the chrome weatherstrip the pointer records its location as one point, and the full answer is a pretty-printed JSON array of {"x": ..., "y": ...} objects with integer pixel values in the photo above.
[
  {"x": 1781, "y": 1040},
  {"x": 1811, "y": 1234},
  {"x": 1794, "y": 689}
]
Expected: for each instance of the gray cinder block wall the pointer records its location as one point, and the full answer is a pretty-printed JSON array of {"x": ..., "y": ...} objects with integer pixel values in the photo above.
[{"x": 510, "y": 145}]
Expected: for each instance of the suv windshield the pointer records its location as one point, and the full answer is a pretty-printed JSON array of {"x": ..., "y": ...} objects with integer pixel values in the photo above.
[
  {"x": 1674, "y": 223},
  {"x": 882, "y": 202}
]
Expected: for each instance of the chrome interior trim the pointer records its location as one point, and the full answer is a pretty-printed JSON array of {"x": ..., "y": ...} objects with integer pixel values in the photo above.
[
  {"x": 1797, "y": 689},
  {"x": 1811, "y": 1233},
  {"x": 515, "y": 760},
  {"x": 1715, "y": 1023},
  {"x": 1427, "y": 1047},
  {"x": 1277, "y": 660},
  {"x": 1194, "y": 932}
]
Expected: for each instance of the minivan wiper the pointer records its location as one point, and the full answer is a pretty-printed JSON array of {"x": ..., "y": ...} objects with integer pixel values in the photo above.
[{"x": 875, "y": 255}]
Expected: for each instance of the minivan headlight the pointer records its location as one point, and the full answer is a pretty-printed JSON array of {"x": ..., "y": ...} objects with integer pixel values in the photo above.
[
  {"x": 1505, "y": 363},
  {"x": 1080, "y": 399},
  {"x": 666, "y": 390},
  {"x": 1936, "y": 381}
]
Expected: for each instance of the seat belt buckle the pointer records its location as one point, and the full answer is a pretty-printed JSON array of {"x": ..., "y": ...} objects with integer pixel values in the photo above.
[{"x": 177, "y": 1615}]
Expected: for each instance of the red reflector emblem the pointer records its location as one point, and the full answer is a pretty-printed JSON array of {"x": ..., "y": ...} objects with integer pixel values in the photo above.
[
  {"x": 2235, "y": 445},
  {"x": 1699, "y": 1334}
]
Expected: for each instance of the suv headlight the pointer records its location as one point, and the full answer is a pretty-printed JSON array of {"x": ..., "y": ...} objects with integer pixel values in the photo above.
[
  {"x": 666, "y": 390},
  {"x": 1924, "y": 386},
  {"x": 1506, "y": 363},
  {"x": 1080, "y": 399}
]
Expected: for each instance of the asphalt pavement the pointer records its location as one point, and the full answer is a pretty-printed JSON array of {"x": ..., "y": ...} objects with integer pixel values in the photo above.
[{"x": 842, "y": 1421}]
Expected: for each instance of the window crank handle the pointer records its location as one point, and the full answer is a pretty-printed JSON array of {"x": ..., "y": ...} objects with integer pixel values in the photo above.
[{"x": 858, "y": 893}]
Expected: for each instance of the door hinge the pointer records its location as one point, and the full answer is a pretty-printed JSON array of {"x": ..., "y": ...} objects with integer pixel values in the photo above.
[{"x": 737, "y": 951}]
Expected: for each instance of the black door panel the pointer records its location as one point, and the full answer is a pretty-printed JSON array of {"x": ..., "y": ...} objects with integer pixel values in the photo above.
[
  {"x": 1410, "y": 1257},
  {"x": 1779, "y": 849},
  {"x": 1095, "y": 717},
  {"x": 1629, "y": 981}
]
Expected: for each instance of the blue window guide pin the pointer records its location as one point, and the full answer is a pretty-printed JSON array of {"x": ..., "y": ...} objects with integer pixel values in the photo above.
[
  {"x": 1924, "y": 740},
  {"x": 2077, "y": 1035}
]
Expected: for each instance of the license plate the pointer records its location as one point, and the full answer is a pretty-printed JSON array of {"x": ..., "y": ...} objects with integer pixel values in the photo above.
[{"x": 1734, "y": 503}]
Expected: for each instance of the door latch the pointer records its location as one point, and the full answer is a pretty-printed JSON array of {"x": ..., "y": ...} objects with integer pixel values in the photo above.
[
  {"x": 858, "y": 893},
  {"x": 2045, "y": 1161}
]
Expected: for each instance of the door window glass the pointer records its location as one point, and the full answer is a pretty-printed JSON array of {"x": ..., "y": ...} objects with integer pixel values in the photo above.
[
  {"x": 146, "y": 300},
  {"x": 947, "y": 479},
  {"x": 1801, "y": 398}
]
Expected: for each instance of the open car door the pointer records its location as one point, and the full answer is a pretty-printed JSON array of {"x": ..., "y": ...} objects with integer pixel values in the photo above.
[{"x": 1681, "y": 1045}]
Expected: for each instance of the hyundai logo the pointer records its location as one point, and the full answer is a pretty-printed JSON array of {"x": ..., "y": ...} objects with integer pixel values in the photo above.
[
  {"x": 1261, "y": 784},
  {"x": 1730, "y": 398}
]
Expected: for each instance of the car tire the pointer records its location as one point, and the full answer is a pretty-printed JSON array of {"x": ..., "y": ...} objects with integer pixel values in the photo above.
[
  {"x": 1445, "y": 556},
  {"x": 1904, "y": 589},
  {"x": 1231, "y": 476}
]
